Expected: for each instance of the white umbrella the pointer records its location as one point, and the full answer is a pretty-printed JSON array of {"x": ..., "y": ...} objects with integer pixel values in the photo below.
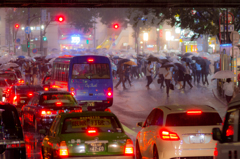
[
  {"x": 223, "y": 74},
  {"x": 7, "y": 66}
]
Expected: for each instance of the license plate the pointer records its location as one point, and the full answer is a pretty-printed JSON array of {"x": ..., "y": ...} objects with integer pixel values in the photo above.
[
  {"x": 22, "y": 101},
  {"x": 197, "y": 139},
  {"x": 96, "y": 147},
  {"x": 91, "y": 104}
]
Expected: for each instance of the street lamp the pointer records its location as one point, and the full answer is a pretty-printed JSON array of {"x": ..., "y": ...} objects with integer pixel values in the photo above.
[
  {"x": 168, "y": 38},
  {"x": 145, "y": 39}
]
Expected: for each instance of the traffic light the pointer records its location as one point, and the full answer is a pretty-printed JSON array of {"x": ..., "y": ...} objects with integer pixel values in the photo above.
[
  {"x": 116, "y": 26},
  {"x": 60, "y": 19},
  {"x": 16, "y": 26},
  {"x": 44, "y": 38},
  {"x": 28, "y": 44},
  {"x": 87, "y": 41}
]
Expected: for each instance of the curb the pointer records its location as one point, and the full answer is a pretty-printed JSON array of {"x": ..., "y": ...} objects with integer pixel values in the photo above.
[{"x": 218, "y": 98}]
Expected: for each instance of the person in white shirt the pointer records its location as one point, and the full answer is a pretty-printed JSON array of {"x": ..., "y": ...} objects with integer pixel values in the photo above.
[
  {"x": 168, "y": 78},
  {"x": 149, "y": 74},
  {"x": 228, "y": 88}
]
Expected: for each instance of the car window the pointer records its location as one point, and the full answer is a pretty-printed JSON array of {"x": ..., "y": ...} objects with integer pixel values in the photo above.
[
  {"x": 80, "y": 124},
  {"x": 27, "y": 90},
  {"x": 59, "y": 99},
  {"x": 51, "y": 131},
  {"x": 35, "y": 100},
  {"x": 229, "y": 127},
  {"x": 56, "y": 126},
  {"x": 184, "y": 119},
  {"x": 149, "y": 118},
  {"x": 158, "y": 118}
]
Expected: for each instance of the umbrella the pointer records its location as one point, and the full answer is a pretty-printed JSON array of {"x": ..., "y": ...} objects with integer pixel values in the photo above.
[
  {"x": 153, "y": 58},
  {"x": 123, "y": 61},
  {"x": 130, "y": 63},
  {"x": 21, "y": 57},
  {"x": 186, "y": 59},
  {"x": 223, "y": 74},
  {"x": 116, "y": 57},
  {"x": 168, "y": 64},
  {"x": 195, "y": 58},
  {"x": 173, "y": 59},
  {"x": 188, "y": 54},
  {"x": 163, "y": 61},
  {"x": 204, "y": 57},
  {"x": 180, "y": 67},
  {"x": 6, "y": 66},
  {"x": 207, "y": 62}
]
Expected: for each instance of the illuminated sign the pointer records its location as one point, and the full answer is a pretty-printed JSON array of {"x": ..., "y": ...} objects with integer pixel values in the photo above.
[{"x": 75, "y": 39}]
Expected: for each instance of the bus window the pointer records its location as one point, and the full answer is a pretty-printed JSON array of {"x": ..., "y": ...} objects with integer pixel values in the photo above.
[
  {"x": 60, "y": 72},
  {"x": 94, "y": 71}
]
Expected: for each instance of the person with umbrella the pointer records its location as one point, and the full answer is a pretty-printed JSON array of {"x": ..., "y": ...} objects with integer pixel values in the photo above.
[
  {"x": 126, "y": 73},
  {"x": 187, "y": 76},
  {"x": 149, "y": 74},
  {"x": 120, "y": 72},
  {"x": 198, "y": 71},
  {"x": 228, "y": 88},
  {"x": 168, "y": 78}
]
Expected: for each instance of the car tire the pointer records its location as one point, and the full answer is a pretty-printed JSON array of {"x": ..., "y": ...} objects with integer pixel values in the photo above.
[
  {"x": 36, "y": 127},
  {"x": 138, "y": 152},
  {"x": 155, "y": 152},
  {"x": 24, "y": 124}
]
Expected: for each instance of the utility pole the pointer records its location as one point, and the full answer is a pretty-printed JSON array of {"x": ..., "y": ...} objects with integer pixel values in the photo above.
[
  {"x": 28, "y": 35},
  {"x": 41, "y": 37}
]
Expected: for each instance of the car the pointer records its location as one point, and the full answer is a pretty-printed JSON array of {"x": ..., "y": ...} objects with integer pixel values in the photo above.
[
  {"x": 46, "y": 82},
  {"x": 10, "y": 76},
  {"x": 4, "y": 87},
  {"x": 228, "y": 139},
  {"x": 12, "y": 143},
  {"x": 19, "y": 95},
  {"x": 41, "y": 110},
  {"x": 87, "y": 135},
  {"x": 178, "y": 131}
]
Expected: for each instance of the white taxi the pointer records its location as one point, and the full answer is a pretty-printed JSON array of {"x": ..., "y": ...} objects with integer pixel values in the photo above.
[{"x": 178, "y": 131}]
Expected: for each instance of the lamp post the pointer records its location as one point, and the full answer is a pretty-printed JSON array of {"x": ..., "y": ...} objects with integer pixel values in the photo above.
[
  {"x": 168, "y": 38},
  {"x": 145, "y": 39},
  {"x": 158, "y": 39}
]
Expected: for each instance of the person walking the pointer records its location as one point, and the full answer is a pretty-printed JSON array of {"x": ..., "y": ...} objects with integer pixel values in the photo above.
[
  {"x": 228, "y": 88},
  {"x": 187, "y": 76},
  {"x": 127, "y": 72},
  {"x": 149, "y": 74},
  {"x": 180, "y": 78},
  {"x": 35, "y": 72},
  {"x": 198, "y": 72},
  {"x": 161, "y": 73},
  {"x": 168, "y": 78},
  {"x": 27, "y": 72},
  {"x": 194, "y": 72},
  {"x": 120, "y": 72}
]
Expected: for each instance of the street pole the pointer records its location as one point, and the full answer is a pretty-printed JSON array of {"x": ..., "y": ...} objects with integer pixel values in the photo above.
[
  {"x": 157, "y": 40},
  {"x": 14, "y": 38},
  {"x": 28, "y": 35},
  {"x": 41, "y": 37},
  {"x": 94, "y": 32}
]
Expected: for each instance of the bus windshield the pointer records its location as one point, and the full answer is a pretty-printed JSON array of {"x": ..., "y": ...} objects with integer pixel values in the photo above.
[{"x": 91, "y": 71}]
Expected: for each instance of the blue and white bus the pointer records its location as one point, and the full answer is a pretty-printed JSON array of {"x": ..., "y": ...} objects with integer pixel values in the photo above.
[{"x": 88, "y": 78}]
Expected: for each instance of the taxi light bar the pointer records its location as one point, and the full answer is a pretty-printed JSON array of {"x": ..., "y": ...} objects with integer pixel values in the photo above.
[
  {"x": 194, "y": 112},
  {"x": 170, "y": 136},
  {"x": 90, "y": 60},
  {"x": 63, "y": 151}
]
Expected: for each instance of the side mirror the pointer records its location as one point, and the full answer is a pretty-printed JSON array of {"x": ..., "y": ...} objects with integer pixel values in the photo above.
[
  {"x": 140, "y": 124},
  {"x": 217, "y": 134},
  {"x": 42, "y": 131}
]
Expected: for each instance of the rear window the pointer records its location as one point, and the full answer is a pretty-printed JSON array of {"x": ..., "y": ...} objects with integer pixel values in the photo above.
[
  {"x": 9, "y": 76},
  {"x": 28, "y": 89},
  {"x": 91, "y": 71},
  {"x": 81, "y": 124},
  {"x": 184, "y": 119},
  {"x": 3, "y": 83},
  {"x": 58, "y": 100}
]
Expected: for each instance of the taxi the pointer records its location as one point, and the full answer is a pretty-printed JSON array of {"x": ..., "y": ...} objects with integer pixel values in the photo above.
[{"x": 87, "y": 135}]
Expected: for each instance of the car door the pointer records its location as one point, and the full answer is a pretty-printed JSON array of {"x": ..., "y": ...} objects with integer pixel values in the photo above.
[
  {"x": 146, "y": 130},
  {"x": 229, "y": 147},
  {"x": 53, "y": 138}
]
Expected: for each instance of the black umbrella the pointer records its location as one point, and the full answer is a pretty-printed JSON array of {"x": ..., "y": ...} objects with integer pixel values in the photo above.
[
  {"x": 163, "y": 61},
  {"x": 168, "y": 64},
  {"x": 188, "y": 54},
  {"x": 153, "y": 58},
  {"x": 180, "y": 67},
  {"x": 116, "y": 57},
  {"x": 186, "y": 59},
  {"x": 195, "y": 58}
]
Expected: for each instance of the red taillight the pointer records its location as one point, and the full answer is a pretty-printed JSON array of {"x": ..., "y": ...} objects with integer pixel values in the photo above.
[
  {"x": 92, "y": 131},
  {"x": 107, "y": 110},
  {"x": 128, "y": 150},
  {"x": 109, "y": 94},
  {"x": 230, "y": 131},
  {"x": 58, "y": 103},
  {"x": 90, "y": 60},
  {"x": 21, "y": 81},
  {"x": 167, "y": 135},
  {"x": 15, "y": 98},
  {"x": 73, "y": 93},
  {"x": 46, "y": 88},
  {"x": 63, "y": 151},
  {"x": 192, "y": 112},
  {"x": 55, "y": 86},
  {"x": 215, "y": 152},
  {"x": 48, "y": 112},
  {"x": 43, "y": 112},
  {"x": 30, "y": 94},
  {"x": 15, "y": 145}
]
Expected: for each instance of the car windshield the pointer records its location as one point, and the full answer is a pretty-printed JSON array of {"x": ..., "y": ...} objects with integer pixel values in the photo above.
[
  {"x": 91, "y": 71},
  {"x": 184, "y": 119},
  {"x": 57, "y": 100},
  {"x": 25, "y": 90},
  {"x": 3, "y": 83},
  {"x": 8, "y": 76},
  {"x": 83, "y": 123}
]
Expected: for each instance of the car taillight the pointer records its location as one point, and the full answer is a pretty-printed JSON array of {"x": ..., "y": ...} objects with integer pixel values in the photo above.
[
  {"x": 91, "y": 131},
  {"x": 63, "y": 151},
  {"x": 15, "y": 145},
  {"x": 21, "y": 81},
  {"x": 109, "y": 94},
  {"x": 46, "y": 88},
  {"x": 90, "y": 60},
  {"x": 48, "y": 112},
  {"x": 58, "y": 103},
  {"x": 194, "y": 112},
  {"x": 230, "y": 131},
  {"x": 15, "y": 98},
  {"x": 215, "y": 153},
  {"x": 43, "y": 112},
  {"x": 128, "y": 150},
  {"x": 30, "y": 94},
  {"x": 107, "y": 110},
  {"x": 167, "y": 135}
]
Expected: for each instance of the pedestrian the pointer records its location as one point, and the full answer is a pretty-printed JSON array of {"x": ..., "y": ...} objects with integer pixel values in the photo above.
[
  {"x": 161, "y": 72},
  {"x": 127, "y": 72},
  {"x": 134, "y": 71},
  {"x": 187, "y": 76},
  {"x": 120, "y": 73},
  {"x": 168, "y": 78},
  {"x": 158, "y": 65},
  {"x": 35, "y": 72},
  {"x": 198, "y": 72},
  {"x": 194, "y": 72},
  {"x": 27, "y": 72},
  {"x": 180, "y": 78},
  {"x": 239, "y": 80},
  {"x": 228, "y": 88},
  {"x": 149, "y": 74},
  {"x": 205, "y": 72}
]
